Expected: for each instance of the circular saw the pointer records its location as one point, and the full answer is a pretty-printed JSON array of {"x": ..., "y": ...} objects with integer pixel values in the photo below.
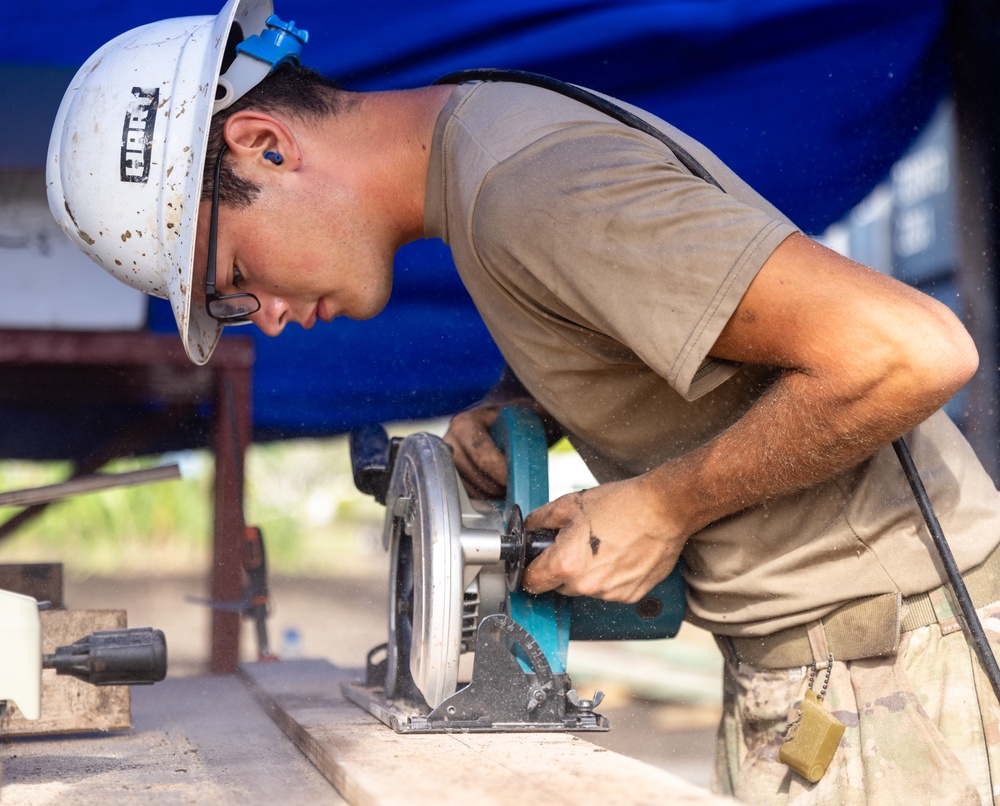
[{"x": 454, "y": 588}]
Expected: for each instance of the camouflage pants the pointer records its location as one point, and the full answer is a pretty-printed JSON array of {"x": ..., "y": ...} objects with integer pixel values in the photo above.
[{"x": 922, "y": 726}]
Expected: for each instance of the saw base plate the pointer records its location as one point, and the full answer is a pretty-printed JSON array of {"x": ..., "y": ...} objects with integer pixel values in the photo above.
[
  {"x": 402, "y": 720},
  {"x": 501, "y": 697}
]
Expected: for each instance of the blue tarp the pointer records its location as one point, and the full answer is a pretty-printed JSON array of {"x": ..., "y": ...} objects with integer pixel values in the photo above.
[{"x": 810, "y": 100}]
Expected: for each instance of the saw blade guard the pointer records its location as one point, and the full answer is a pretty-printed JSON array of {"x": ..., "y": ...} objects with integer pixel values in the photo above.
[
  {"x": 424, "y": 505},
  {"x": 444, "y": 566},
  {"x": 520, "y": 436}
]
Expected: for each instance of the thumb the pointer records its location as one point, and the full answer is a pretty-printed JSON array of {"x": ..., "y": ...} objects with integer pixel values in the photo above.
[{"x": 555, "y": 514}]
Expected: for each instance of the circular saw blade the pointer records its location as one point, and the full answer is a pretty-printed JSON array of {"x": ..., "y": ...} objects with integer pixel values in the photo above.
[{"x": 426, "y": 586}]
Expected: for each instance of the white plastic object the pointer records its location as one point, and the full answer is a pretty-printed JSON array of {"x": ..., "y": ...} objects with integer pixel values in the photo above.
[{"x": 21, "y": 653}]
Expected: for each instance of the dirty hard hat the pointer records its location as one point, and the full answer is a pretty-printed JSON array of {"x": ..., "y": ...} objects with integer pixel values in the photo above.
[{"x": 128, "y": 146}]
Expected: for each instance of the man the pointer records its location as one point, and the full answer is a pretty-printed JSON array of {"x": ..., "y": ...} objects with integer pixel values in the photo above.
[{"x": 733, "y": 385}]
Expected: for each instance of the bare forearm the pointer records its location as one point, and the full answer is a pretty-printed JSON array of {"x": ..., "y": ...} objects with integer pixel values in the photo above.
[{"x": 795, "y": 436}]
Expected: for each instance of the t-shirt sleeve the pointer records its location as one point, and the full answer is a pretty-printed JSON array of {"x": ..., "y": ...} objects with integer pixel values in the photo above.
[{"x": 597, "y": 229}]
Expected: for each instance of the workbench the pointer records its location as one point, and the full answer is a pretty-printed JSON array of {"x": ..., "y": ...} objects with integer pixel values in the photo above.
[{"x": 209, "y": 740}]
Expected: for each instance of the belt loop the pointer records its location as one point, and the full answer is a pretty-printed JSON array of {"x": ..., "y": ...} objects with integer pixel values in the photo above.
[
  {"x": 730, "y": 657},
  {"x": 944, "y": 610},
  {"x": 729, "y": 653},
  {"x": 817, "y": 644}
]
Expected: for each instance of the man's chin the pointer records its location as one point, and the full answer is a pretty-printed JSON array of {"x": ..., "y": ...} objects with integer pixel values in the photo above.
[{"x": 369, "y": 311}]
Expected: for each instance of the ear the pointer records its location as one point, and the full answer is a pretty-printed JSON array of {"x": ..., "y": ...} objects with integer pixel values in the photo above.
[{"x": 250, "y": 134}]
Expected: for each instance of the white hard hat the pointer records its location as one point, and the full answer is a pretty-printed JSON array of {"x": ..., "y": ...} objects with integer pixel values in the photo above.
[{"x": 128, "y": 144}]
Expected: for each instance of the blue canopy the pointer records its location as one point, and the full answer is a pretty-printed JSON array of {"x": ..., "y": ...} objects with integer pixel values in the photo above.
[{"x": 811, "y": 101}]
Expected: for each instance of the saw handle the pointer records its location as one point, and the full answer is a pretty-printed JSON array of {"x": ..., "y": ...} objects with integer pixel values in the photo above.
[
  {"x": 536, "y": 541},
  {"x": 518, "y": 547}
]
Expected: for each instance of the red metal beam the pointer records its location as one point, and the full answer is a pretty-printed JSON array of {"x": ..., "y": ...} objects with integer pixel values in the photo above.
[{"x": 115, "y": 347}]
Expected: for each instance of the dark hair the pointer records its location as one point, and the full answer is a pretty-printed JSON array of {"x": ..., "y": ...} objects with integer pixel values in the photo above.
[{"x": 290, "y": 90}]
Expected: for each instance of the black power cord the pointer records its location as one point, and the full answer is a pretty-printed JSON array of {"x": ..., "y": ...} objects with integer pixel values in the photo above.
[
  {"x": 978, "y": 637},
  {"x": 589, "y": 98}
]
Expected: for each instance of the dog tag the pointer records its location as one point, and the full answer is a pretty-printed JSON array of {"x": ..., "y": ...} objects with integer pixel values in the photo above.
[{"x": 811, "y": 740}]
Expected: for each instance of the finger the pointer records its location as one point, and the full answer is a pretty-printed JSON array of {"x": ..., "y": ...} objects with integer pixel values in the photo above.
[
  {"x": 489, "y": 462},
  {"x": 489, "y": 481},
  {"x": 469, "y": 426},
  {"x": 481, "y": 487},
  {"x": 539, "y": 576},
  {"x": 555, "y": 514},
  {"x": 479, "y": 463}
]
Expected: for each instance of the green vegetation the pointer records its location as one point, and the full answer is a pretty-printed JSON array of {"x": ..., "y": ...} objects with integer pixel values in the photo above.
[{"x": 300, "y": 493}]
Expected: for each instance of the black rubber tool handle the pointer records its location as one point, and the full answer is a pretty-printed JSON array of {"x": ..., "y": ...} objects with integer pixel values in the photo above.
[
  {"x": 519, "y": 547},
  {"x": 132, "y": 657}
]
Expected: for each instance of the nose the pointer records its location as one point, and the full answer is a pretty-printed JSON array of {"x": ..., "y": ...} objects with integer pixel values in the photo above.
[{"x": 272, "y": 316}]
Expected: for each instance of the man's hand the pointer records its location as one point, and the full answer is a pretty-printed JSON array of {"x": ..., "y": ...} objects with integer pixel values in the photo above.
[
  {"x": 480, "y": 465},
  {"x": 615, "y": 542}
]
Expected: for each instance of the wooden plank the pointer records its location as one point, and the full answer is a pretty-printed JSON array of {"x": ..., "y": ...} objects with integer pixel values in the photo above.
[
  {"x": 70, "y": 705},
  {"x": 43, "y": 582},
  {"x": 198, "y": 741},
  {"x": 371, "y": 765}
]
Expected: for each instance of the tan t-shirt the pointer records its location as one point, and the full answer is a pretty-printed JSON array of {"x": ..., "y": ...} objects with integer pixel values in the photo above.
[{"x": 605, "y": 272}]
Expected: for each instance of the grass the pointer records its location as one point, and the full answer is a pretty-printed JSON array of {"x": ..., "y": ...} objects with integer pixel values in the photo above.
[{"x": 300, "y": 493}]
